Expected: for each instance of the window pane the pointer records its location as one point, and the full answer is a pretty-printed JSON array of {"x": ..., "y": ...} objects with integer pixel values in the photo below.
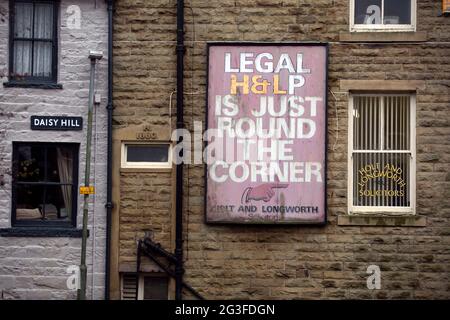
[
  {"x": 43, "y": 21},
  {"x": 397, "y": 11},
  {"x": 33, "y": 21},
  {"x": 367, "y": 11},
  {"x": 29, "y": 203},
  {"x": 396, "y": 122},
  {"x": 44, "y": 182},
  {"x": 60, "y": 164},
  {"x": 381, "y": 179},
  {"x": 31, "y": 164},
  {"x": 147, "y": 153},
  {"x": 56, "y": 207},
  {"x": 42, "y": 56},
  {"x": 22, "y": 58},
  {"x": 58, "y": 203},
  {"x": 366, "y": 123},
  {"x": 155, "y": 288},
  {"x": 23, "y": 20}
]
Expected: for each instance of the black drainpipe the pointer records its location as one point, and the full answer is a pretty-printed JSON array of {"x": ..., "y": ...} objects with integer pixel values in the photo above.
[
  {"x": 109, "y": 107},
  {"x": 179, "y": 182}
]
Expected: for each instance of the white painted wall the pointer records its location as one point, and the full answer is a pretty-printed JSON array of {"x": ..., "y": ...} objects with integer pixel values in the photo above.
[{"x": 35, "y": 268}]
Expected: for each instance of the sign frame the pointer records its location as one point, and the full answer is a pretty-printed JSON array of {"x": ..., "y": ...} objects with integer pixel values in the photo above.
[
  {"x": 56, "y": 128},
  {"x": 322, "y": 223}
]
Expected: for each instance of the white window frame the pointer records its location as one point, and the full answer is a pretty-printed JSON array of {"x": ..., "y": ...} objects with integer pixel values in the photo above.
[
  {"x": 140, "y": 293},
  {"x": 412, "y": 174},
  {"x": 383, "y": 27},
  {"x": 145, "y": 165}
]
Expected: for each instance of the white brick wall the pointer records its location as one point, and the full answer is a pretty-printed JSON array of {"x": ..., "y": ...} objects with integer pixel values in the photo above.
[{"x": 35, "y": 268}]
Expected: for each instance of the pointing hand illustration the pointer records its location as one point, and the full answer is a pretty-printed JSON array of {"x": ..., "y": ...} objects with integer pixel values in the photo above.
[{"x": 263, "y": 192}]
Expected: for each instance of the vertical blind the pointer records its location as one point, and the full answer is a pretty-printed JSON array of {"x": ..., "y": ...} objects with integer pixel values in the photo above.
[
  {"x": 33, "y": 39},
  {"x": 129, "y": 285},
  {"x": 381, "y": 151}
]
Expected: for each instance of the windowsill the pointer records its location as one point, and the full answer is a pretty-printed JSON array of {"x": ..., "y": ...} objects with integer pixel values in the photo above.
[
  {"x": 32, "y": 85},
  {"x": 382, "y": 220},
  {"x": 382, "y": 36},
  {"x": 381, "y": 85},
  {"x": 41, "y": 232},
  {"x": 144, "y": 170}
]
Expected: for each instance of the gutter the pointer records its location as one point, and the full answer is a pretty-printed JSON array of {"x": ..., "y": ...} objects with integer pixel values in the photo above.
[
  {"x": 109, "y": 108},
  {"x": 179, "y": 178}
]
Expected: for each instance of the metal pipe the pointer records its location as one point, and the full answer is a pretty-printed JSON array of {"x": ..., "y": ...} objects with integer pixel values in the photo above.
[
  {"x": 109, "y": 108},
  {"x": 179, "y": 179},
  {"x": 93, "y": 56}
]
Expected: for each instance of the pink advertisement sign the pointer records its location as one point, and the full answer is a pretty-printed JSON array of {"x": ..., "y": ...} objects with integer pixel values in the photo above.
[{"x": 266, "y": 121}]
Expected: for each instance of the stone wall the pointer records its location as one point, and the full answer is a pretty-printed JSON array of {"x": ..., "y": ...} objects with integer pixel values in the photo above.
[
  {"x": 283, "y": 262},
  {"x": 145, "y": 203},
  {"x": 35, "y": 268}
]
